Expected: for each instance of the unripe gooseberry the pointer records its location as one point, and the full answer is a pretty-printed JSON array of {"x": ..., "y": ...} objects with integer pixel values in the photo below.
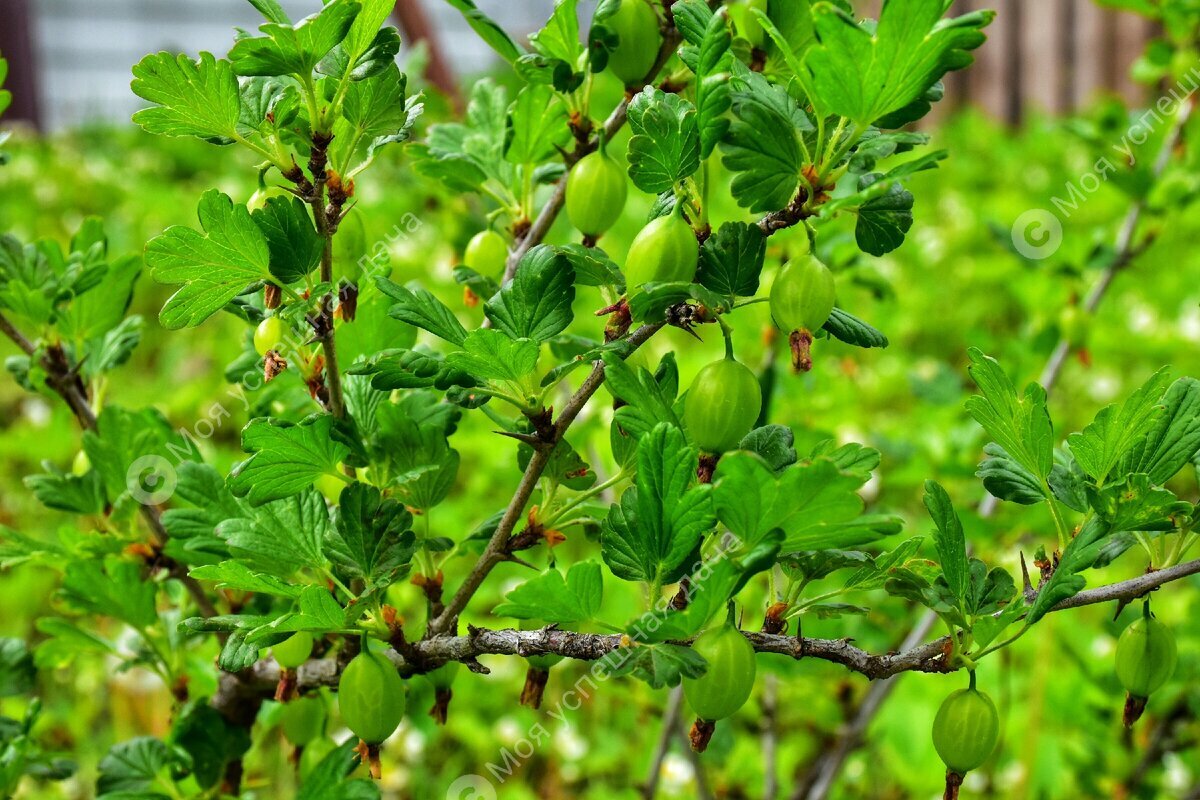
[
  {"x": 1146, "y": 656},
  {"x": 664, "y": 251},
  {"x": 486, "y": 253},
  {"x": 596, "y": 192},
  {"x": 371, "y": 697},
  {"x": 802, "y": 299},
  {"x": 268, "y": 335},
  {"x": 722, "y": 405},
  {"x": 966, "y": 730},
  {"x": 639, "y": 39}
]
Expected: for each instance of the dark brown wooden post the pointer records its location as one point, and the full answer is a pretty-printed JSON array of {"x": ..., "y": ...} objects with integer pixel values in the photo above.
[
  {"x": 414, "y": 25},
  {"x": 16, "y": 46}
]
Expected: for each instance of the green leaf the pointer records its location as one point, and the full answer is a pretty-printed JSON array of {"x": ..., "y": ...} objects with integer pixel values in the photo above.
[
  {"x": 214, "y": 267},
  {"x": 1173, "y": 439},
  {"x": 372, "y": 537},
  {"x": 1020, "y": 425},
  {"x": 319, "y": 611},
  {"x": 330, "y": 778},
  {"x": 1135, "y": 505},
  {"x": 949, "y": 539},
  {"x": 565, "y": 466},
  {"x": 1066, "y": 581},
  {"x": 646, "y": 404},
  {"x": 132, "y": 768},
  {"x": 816, "y": 564},
  {"x": 294, "y": 50},
  {"x": 1118, "y": 428},
  {"x": 412, "y": 434},
  {"x": 114, "y": 348},
  {"x": 1132, "y": 505},
  {"x": 712, "y": 83},
  {"x": 551, "y": 597},
  {"x": 124, "y": 438},
  {"x": 536, "y": 303},
  {"x": 17, "y": 672},
  {"x": 491, "y": 33},
  {"x": 192, "y": 98},
  {"x": 865, "y": 75},
  {"x": 762, "y": 146},
  {"x": 657, "y": 525},
  {"x": 5, "y": 95},
  {"x": 286, "y": 458},
  {"x": 1007, "y": 480},
  {"x": 846, "y": 328},
  {"x": 282, "y": 537},
  {"x": 539, "y": 126},
  {"x": 65, "y": 642},
  {"x": 294, "y": 245},
  {"x": 239, "y": 577},
  {"x": 272, "y": 11},
  {"x": 874, "y": 574},
  {"x": 877, "y": 145},
  {"x": 559, "y": 57},
  {"x": 560, "y": 36},
  {"x": 376, "y": 112},
  {"x": 492, "y": 355},
  {"x": 238, "y": 654},
  {"x": 731, "y": 260},
  {"x": 111, "y": 588},
  {"x": 988, "y": 589},
  {"x": 421, "y": 309},
  {"x": 883, "y": 220},
  {"x": 1068, "y": 483},
  {"x": 774, "y": 444},
  {"x": 82, "y": 494},
  {"x": 665, "y": 147},
  {"x": 592, "y": 266},
  {"x": 815, "y": 503},
  {"x": 204, "y": 488},
  {"x": 657, "y": 664},
  {"x": 210, "y": 740},
  {"x": 851, "y": 457},
  {"x": 367, "y": 50},
  {"x": 464, "y": 155},
  {"x": 411, "y": 369}
]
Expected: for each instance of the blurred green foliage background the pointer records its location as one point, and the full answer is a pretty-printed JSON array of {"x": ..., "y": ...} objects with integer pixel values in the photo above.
[{"x": 955, "y": 282}]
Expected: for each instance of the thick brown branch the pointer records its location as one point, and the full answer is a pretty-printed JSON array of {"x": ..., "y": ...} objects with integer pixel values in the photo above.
[{"x": 431, "y": 653}]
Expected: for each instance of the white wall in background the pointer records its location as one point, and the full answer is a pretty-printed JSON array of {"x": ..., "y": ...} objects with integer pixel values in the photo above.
[{"x": 86, "y": 47}]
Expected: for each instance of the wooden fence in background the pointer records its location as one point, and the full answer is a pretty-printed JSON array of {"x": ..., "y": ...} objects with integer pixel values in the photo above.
[{"x": 1049, "y": 55}]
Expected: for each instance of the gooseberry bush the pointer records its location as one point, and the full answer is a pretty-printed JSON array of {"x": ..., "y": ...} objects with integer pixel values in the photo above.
[{"x": 316, "y": 571}]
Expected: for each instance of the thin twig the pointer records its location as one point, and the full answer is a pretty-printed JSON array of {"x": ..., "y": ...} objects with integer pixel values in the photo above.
[
  {"x": 670, "y": 724},
  {"x": 496, "y": 550},
  {"x": 1162, "y": 742},
  {"x": 702, "y": 792},
  {"x": 770, "y": 738}
]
